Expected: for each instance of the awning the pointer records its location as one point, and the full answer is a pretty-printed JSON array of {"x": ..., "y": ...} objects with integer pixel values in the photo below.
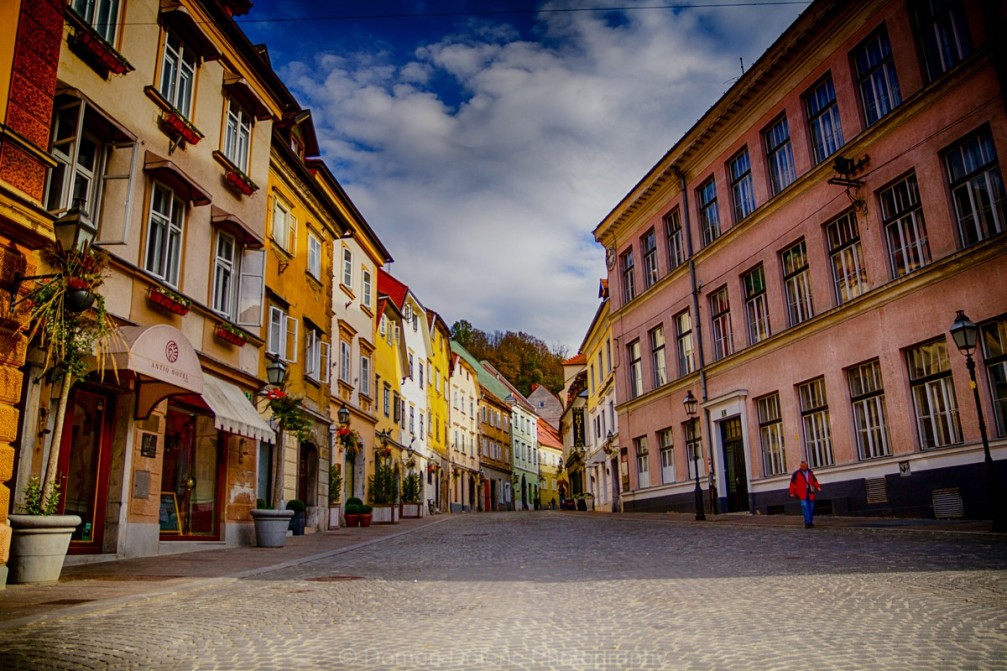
[
  {"x": 166, "y": 171},
  {"x": 233, "y": 412},
  {"x": 97, "y": 120},
  {"x": 178, "y": 18},
  {"x": 236, "y": 227},
  {"x": 163, "y": 361},
  {"x": 239, "y": 88}
]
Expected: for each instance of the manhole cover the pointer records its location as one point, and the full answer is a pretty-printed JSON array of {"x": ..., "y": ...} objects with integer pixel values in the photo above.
[
  {"x": 335, "y": 578},
  {"x": 66, "y": 602}
]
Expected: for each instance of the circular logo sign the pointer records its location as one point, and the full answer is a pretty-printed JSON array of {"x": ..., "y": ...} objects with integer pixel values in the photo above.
[{"x": 171, "y": 351}]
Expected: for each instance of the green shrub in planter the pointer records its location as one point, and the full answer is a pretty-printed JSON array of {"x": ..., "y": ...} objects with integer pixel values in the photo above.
[{"x": 296, "y": 505}]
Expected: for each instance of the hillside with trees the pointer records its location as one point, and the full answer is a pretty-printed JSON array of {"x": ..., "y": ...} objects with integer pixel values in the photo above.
[{"x": 520, "y": 357}]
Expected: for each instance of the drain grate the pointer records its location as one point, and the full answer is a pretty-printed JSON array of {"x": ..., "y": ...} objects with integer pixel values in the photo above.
[
  {"x": 66, "y": 602},
  {"x": 335, "y": 578}
]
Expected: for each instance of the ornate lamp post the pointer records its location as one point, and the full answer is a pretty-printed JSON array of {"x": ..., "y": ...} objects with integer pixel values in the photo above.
[
  {"x": 690, "y": 404},
  {"x": 966, "y": 335}
]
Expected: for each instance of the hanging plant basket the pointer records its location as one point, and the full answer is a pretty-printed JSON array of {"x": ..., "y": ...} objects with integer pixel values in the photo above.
[
  {"x": 168, "y": 300},
  {"x": 229, "y": 334}
]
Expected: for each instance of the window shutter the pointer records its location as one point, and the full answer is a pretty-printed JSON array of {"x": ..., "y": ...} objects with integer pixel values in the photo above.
[
  {"x": 310, "y": 355},
  {"x": 117, "y": 191},
  {"x": 323, "y": 361},
  {"x": 290, "y": 329},
  {"x": 251, "y": 286}
]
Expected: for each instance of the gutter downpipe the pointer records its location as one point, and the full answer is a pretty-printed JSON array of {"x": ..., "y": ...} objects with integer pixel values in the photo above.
[{"x": 697, "y": 324}]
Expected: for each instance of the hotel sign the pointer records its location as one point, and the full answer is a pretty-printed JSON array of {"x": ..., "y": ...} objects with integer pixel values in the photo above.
[{"x": 579, "y": 435}]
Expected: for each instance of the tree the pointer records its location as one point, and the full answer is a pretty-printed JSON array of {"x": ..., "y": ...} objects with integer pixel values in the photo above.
[{"x": 520, "y": 357}]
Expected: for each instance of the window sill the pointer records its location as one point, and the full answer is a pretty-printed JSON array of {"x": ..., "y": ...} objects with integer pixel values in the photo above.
[{"x": 92, "y": 48}]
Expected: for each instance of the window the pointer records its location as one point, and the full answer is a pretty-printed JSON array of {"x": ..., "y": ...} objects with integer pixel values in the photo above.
[
  {"x": 178, "y": 74},
  {"x": 635, "y": 369},
  {"x": 658, "y": 360},
  {"x": 709, "y": 216},
  {"x": 779, "y": 155},
  {"x": 345, "y": 358},
  {"x": 774, "y": 459},
  {"x": 164, "y": 235},
  {"x": 283, "y": 331},
  {"x": 314, "y": 256},
  {"x": 994, "y": 341},
  {"x": 648, "y": 244},
  {"x": 667, "y": 441},
  {"x": 694, "y": 448},
  {"x": 237, "y": 135},
  {"x": 876, "y": 78},
  {"x": 642, "y": 462},
  {"x": 756, "y": 305},
  {"x": 76, "y": 178},
  {"x": 316, "y": 356},
  {"x": 797, "y": 281},
  {"x": 386, "y": 399},
  {"x": 905, "y": 229},
  {"x": 347, "y": 268},
  {"x": 421, "y": 374},
  {"x": 943, "y": 33},
  {"x": 815, "y": 417},
  {"x": 848, "y": 274},
  {"x": 676, "y": 245},
  {"x": 224, "y": 268},
  {"x": 742, "y": 193},
  {"x": 977, "y": 188},
  {"x": 366, "y": 288},
  {"x": 867, "y": 394},
  {"x": 720, "y": 316},
  {"x": 823, "y": 120},
  {"x": 284, "y": 225},
  {"x": 102, "y": 15},
  {"x": 628, "y": 282},
  {"x": 933, "y": 395},
  {"x": 683, "y": 335}
]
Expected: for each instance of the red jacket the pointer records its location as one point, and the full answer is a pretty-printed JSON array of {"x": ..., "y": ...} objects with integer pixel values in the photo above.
[{"x": 799, "y": 485}]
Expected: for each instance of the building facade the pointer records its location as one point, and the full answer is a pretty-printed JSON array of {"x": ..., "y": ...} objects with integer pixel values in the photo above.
[
  {"x": 464, "y": 436},
  {"x": 805, "y": 248}
]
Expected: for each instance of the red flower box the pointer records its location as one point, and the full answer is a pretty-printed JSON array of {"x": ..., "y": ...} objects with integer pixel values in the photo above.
[
  {"x": 241, "y": 182},
  {"x": 229, "y": 336},
  {"x": 177, "y": 125},
  {"x": 168, "y": 302}
]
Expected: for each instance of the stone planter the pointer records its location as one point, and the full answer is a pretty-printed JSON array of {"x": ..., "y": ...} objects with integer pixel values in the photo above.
[
  {"x": 271, "y": 527},
  {"x": 38, "y": 546},
  {"x": 334, "y": 511},
  {"x": 412, "y": 510},
  {"x": 385, "y": 513}
]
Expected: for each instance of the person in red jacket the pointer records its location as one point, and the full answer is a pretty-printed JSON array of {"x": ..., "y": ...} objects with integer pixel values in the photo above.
[{"x": 804, "y": 485}]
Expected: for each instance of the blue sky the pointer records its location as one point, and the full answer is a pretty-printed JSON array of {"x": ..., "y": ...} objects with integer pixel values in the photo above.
[{"x": 484, "y": 141}]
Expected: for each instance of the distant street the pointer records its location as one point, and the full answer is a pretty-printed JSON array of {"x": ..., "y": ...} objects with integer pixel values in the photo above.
[{"x": 554, "y": 590}]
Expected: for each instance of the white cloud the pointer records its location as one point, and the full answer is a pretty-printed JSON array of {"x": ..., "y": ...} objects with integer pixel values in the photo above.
[{"x": 485, "y": 161}]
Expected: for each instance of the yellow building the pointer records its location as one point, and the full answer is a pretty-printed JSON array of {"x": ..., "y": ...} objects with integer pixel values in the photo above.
[
  {"x": 602, "y": 460},
  {"x": 438, "y": 373},
  {"x": 550, "y": 455},
  {"x": 304, "y": 224},
  {"x": 463, "y": 439}
]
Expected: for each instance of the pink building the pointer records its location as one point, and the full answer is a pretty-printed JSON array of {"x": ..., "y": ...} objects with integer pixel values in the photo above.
[{"x": 795, "y": 262}]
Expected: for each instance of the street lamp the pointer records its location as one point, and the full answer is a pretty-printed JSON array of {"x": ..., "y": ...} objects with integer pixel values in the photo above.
[
  {"x": 966, "y": 335},
  {"x": 690, "y": 404},
  {"x": 276, "y": 373},
  {"x": 343, "y": 415}
]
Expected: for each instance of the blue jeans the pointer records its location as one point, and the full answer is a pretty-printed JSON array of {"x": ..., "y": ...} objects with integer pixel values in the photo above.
[{"x": 808, "y": 508}]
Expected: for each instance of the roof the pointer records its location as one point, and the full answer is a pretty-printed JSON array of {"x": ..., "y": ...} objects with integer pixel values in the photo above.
[
  {"x": 576, "y": 360},
  {"x": 548, "y": 435},
  {"x": 486, "y": 380},
  {"x": 392, "y": 288}
]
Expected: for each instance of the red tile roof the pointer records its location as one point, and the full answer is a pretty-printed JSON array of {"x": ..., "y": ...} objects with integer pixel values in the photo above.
[
  {"x": 577, "y": 359},
  {"x": 392, "y": 288}
]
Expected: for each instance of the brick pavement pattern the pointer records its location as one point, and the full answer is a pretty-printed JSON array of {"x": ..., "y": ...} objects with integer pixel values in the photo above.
[{"x": 560, "y": 591}]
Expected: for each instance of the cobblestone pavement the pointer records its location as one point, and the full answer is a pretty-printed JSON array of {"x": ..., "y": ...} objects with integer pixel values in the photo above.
[{"x": 557, "y": 591}]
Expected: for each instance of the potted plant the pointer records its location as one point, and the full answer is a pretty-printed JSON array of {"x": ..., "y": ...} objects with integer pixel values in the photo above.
[
  {"x": 180, "y": 129},
  {"x": 352, "y": 511},
  {"x": 270, "y": 525},
  {"x": 335, "y": 494},
  {"x": 383, "y": 493},
  {"x": 366, "y": 515},
  {"x": 412, "y": 490},
  {"x": 241, "y": 182},
  {"x": 39, "y": 536},
  {"x": 297, "y": 521},
  {"x": 230, "y": 334}
]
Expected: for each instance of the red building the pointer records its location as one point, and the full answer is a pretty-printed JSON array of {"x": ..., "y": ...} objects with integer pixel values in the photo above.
[{"x": 797, "y": 259}]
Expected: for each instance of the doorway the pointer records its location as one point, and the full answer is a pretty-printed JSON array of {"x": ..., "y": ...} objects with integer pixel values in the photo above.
[
  {"x": 85, "y": 449},
  {"x": 192, "y": 478},
  {"x": 735, "y": 471},
  {"x": 307, "y": 474}
]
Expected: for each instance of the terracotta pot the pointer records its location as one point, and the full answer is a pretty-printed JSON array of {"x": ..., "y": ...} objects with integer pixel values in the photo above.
[{"x": 365, "y": 519}]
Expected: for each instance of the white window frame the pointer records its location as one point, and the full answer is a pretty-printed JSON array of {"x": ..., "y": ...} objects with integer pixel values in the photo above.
[
  {"x": 284, "y": 229},
  {"x": 905, "y": 226},
  {"x": 237, "y": 135},
  {"x": 314, "y": 255},
  {"x": 366, "y": 288},
  {"x": 849, "y": 276},
  {"x": 345, "y": 361},
  {"x": 817, "y": 425},
  {"x": 797, "y": 283},
  {"x": 347, "y": 268},
  {"x": 666, "y": 438},
  {"x": 774, "y": 454},
  {"x": 870, "y": 416},
  {"x": 101, "y": 15},
  {"x": 165, "y": 229},
  {"x": 178, "y": 74},
  {"x": 934, "y": 400},
  {"x": 316, "y": 358},
  {"x": 756, "y": 304},
  {"x": 365, "y": 375},
  {"x": 225, "y": 271},
  {"x": 283, "y": 332},
  {"x": 779, "y": 155}
]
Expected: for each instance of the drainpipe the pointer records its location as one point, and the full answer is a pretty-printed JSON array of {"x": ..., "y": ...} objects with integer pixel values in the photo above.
[{"x": 697, "y": 323}]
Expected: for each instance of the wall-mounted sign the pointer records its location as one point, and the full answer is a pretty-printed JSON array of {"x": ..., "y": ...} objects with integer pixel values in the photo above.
[{"x": 579, "y": 436}]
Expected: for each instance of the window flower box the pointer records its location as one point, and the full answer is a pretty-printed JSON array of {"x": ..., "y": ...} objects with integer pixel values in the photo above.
[
  {"x": 229, "y": 334},
  {"x": 180, "y": 128},
  {"x": 240, "y": 182},
  {"x": 168, "y": 300},
  {"x": 87, "y": 43}
]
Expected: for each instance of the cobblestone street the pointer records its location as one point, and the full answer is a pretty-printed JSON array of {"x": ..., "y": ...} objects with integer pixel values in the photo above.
[{"x": 561, "y": 591}]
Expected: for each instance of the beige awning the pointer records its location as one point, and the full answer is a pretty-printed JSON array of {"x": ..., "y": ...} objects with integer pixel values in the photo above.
[
  {"x": 168, "y": 172},
  {"x": 233, "y": 412},
  {"x": 236, "y": 227},
  {"x": 163, "y": 361}
]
